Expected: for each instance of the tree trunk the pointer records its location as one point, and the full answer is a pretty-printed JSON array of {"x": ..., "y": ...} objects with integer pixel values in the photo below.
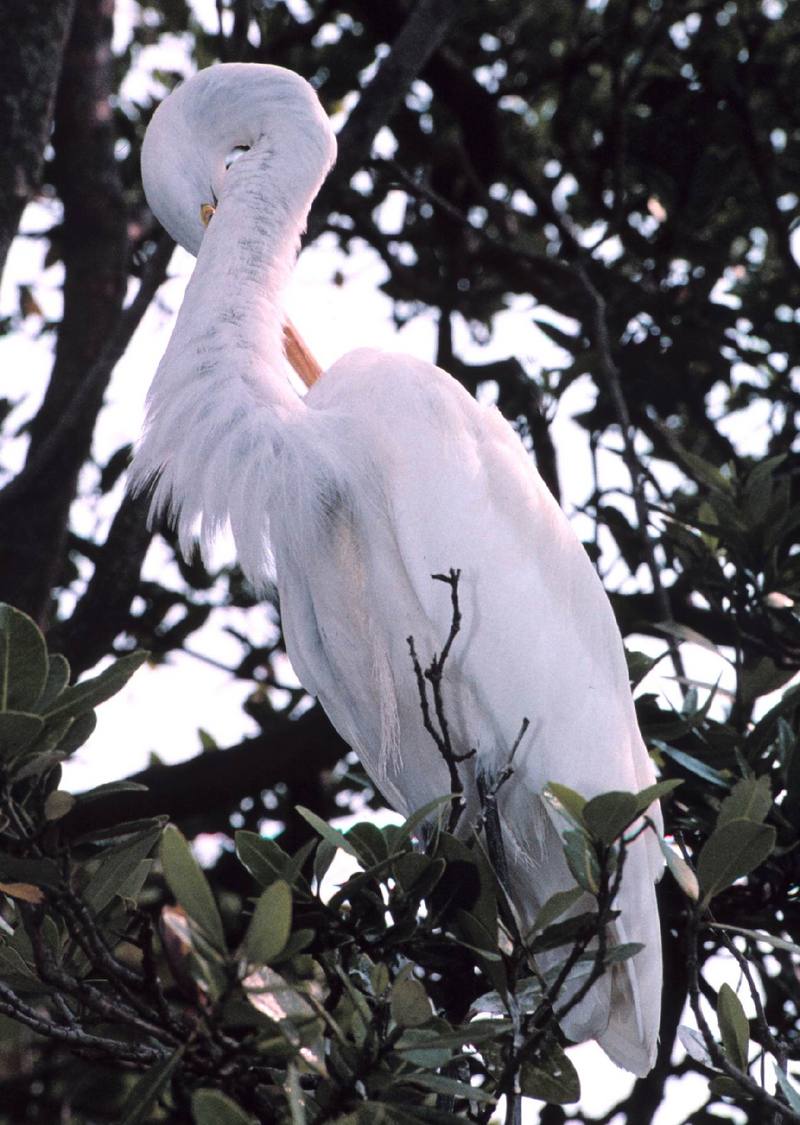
[{"x": 32, "y": 37}]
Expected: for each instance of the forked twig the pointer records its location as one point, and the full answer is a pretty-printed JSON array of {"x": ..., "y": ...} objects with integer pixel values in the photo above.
[{"x": 433, "y": 675}]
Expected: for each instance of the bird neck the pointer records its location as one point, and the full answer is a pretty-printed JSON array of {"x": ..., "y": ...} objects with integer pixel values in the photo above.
[
  {"x": 221, "y": 395},
  {"x": 233, "y": 305}
]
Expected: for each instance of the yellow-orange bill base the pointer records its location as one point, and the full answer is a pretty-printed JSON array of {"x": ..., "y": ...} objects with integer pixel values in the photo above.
[{"x": 299, "y": 355}]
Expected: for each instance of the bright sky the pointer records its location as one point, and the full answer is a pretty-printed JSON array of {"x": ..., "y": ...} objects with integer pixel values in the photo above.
[{"x": 161, "y": 709}]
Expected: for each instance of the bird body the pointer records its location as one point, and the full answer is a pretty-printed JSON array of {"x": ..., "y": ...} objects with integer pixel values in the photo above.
[{"x": 386, "y": 473}]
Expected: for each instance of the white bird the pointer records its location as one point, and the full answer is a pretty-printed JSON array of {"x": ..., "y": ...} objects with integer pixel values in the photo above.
[{"x": 386, "y": 473}]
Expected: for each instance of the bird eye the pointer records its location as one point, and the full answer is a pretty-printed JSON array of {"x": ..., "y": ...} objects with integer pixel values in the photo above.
[{"x": 234, "y": 155}]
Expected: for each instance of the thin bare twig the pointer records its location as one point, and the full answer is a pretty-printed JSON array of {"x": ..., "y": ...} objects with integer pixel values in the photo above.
[
  {"x": 434, "y": 674},
  {"x": 15, "y": 1008}
]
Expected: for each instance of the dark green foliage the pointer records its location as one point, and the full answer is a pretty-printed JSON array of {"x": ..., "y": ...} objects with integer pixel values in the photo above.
[{"x": 409, "y": 994}]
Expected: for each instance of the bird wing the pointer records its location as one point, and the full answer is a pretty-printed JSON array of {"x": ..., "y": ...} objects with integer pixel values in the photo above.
[{"x": 423, "y": 479}]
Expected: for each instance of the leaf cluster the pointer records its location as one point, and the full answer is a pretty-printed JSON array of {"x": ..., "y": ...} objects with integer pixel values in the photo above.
[{"x": 407, "y": 994}]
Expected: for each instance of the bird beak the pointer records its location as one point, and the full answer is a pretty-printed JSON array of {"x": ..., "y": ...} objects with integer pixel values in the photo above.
[
  {"x": 206, "y": 213},
  {"x": 299, "y": 355}
]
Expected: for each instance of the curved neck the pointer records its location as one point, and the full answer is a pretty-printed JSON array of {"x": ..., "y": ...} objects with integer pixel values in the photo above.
[
  {"x": 232, "y": 313},
  {"x": 221, "y": 394}
]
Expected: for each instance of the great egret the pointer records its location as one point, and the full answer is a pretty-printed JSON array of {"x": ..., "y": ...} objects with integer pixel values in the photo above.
[{"x": 386, "y": 473}]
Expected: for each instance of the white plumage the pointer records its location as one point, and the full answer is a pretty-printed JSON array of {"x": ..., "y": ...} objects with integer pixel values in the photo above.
[{"x": 385, "y": 473}]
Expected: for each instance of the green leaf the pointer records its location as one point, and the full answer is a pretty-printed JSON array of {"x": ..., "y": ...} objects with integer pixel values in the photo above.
[
  {"x": 296, "y": 943},
  {"x": 189, "y": 885},
  {"x": 454, "y": 850},
  {"x": 357, "y": 882},
  {"x": 645, "y": 797},
  {"x": 760, "y": 935},
  {"x": 332, "y": 835},
  {"x": 58, "y": 804},
  {"x": 694, "y": 765},
  {"x": 18, "y": 731},
  {"x": 131, "y": 886},
  {"x": 23, "y": 660},
  {"x": 88, "y": 694},
  {"x": 750, "y": 799},
  {"x": 566, "y": 802},
  {"x": 476, "y": 934},
  {"x": 207, "y": 741},
  {"x": 409, "y": 827},
  {"x": 686, "y": 633},
  {"x": 212, "y": 1107},
  {"x": 790, "y": 1091},
  {"x": 450, "y": 1087},
  {"x": 325, "y": 855},
  {"x": 409, "y": 1003},
  {"x": 369, "y": 843},
  {"x": 618, "y": 953},
  {"x": 680, "y": 869},
  {"x": 608, "y": 815},
  {"x": 721, "y": 1086},
  {"x": 702, "y": 471},
  {"x": 276, "y": 998},
  {"x": 110, "y": 787},
  {"x": 733, "y": 1026},
  {"x": 694, "y": 1044},
  {"x": 15, "y": 971},
  {"x": 553, "y": 1079},
  {"x": 270, "y": 925},
  {"x": 375, "y": 1112},
  {"x": 427, "y": 879},
  {"x": 76, "y": 733},
  {"x": 379, "y": 978},
  {"x": 475, "y": 1033},
  {"x": 265, "y": 860},
  {"x": 763, "y": 678},
  {"x": 411, "y": 868},
  {"x": 567, "y": 932},
  {"x": 117, "y": 866},
  {"x": 42, "y": 872},
  {"x": 415, "y": 1044},
  {"x": 57, "y": 679},
  {"x": 582, "y": 860},
  {"x": 123, "y": 833},
  {"x": 732, "y": 851},
  {"x": 147, "y": 1090},
  {"x": 528, "y": 993},
  {"x": 34, "y": 765}
]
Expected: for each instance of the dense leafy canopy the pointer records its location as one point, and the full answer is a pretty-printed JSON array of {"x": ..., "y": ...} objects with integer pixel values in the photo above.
[{"x": 618, "y": 176}]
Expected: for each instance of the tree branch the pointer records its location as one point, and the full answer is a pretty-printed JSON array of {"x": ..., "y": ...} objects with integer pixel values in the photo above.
[
  {"x": 32, "y": 38},
  {"x": 422, "y": 34},
  {"x": 199, "y": 793},
  {"x": 33, "y": 527}
]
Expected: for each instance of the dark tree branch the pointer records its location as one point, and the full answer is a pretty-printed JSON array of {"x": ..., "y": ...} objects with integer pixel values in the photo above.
[
  {"x": 33, "y": 527},
  {"x": 422, "y": 34},
  {"x": 201, "y": 791},
  {"x": 55, "y": 442},
  {"x": 16, "y": 1009},
  {"x": 104, "y": 610},
  {"x": 32, "y": 38}
]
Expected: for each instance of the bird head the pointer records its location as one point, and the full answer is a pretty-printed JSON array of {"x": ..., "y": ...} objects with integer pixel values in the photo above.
[{"x": 218, "y": 115}]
